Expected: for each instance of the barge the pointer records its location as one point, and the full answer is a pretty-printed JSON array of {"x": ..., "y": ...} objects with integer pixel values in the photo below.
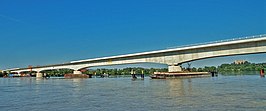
[
  {"x": 69, "y": 76},
  {"x": 166, "y": 75}
]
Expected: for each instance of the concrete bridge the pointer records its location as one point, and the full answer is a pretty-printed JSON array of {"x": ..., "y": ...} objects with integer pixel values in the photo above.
[{"x": 173, "y": 57}]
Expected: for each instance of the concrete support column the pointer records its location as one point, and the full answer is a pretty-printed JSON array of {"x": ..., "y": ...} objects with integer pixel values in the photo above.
[
  {"x": 39, "y": 74},
  {"x": 77, "y": 72},
  {"x": 174, "y": 68}
]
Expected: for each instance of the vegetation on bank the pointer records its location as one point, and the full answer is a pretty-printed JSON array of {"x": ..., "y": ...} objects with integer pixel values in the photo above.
[
  {"x": 125, "y": 71},
  {"x": 247, "y": 66},
  {"x": 58, "y": 72},
  {"x": 138, "y": 70},
  {"x": 224, "y": 68},
  {"x": 1, "y": 74}
]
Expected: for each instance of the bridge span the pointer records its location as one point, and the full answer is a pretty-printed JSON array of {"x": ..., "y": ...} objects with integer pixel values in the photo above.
[{"x": 173, "y": 57}]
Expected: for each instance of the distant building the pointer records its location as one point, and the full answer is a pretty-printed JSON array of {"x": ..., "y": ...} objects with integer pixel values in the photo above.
[{"x": 240, "y": 61}]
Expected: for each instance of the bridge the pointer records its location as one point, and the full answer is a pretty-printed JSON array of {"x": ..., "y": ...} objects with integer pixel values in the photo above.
[{"x": 173, "y": 57}]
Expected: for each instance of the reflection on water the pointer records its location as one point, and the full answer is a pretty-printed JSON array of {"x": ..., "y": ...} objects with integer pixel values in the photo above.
[
  {"x": 176, "y": 87},
  {"x": 120, "y": 94}
]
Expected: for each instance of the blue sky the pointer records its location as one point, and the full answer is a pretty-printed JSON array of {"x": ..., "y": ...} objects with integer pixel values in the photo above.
[{"x": 40, "y": 32}]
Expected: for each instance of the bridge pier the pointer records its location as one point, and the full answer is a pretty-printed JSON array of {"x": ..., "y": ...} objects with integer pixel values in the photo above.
[
  {"x": 174, "y": 68},
  {"x": 77, "y": 72},
  {"x": 172, "y": 57},
  {"x": 39, "y": 75}
]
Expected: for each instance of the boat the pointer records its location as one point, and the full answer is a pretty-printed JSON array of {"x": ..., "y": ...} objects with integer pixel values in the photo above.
[
  {"x": 157, "y": 76},
  {"x": 166, "y": 75},
  {"x": 69, "y": 76}
]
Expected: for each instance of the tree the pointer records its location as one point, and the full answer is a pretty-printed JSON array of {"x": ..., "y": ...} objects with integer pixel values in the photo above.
[
  {"x": 194, "y": 69},
  {"x": 1, "y": 74},
  {"x": 200, "y": 69}
]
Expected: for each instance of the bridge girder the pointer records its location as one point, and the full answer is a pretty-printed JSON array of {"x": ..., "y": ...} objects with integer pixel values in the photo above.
[{"x": 172, "y": 57}]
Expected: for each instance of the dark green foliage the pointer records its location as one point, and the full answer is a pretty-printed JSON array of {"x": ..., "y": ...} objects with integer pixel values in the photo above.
[
  {"x": 58, "y": 72},
  {"x": 138, "y": 70},
  {"x": 241, "y": 67},
  {"x": 3, "y": 74},
  {"x": 125, "y": 71},
  {"x": 246, "y": 67}
]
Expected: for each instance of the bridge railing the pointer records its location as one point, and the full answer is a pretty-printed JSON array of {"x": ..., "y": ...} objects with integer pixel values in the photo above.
[{"x": 220, "y": 41}]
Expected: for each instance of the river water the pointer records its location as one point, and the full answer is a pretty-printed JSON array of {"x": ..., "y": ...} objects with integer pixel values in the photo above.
[{"x": 223, "y": 93}]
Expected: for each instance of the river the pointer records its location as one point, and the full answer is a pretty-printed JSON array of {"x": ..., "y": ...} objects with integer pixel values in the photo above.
[{"x": 222, "y": 93}]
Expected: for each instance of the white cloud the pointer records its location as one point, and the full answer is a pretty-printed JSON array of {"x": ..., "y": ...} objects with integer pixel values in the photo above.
[{"x": 11, "y": 18}]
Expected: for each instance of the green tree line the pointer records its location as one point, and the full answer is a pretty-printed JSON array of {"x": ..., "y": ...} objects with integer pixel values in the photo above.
[
  {"x": 57, "y": 72},
  {"x": 125, "y": 71},
  {"x": 247, "y": 66},
  {"x": 1, "y": 74}
]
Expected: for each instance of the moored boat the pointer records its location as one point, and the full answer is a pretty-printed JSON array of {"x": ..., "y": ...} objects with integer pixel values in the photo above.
[
  {"x": 165, "y": 75},
  {"x": 157, "y": 76}
]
